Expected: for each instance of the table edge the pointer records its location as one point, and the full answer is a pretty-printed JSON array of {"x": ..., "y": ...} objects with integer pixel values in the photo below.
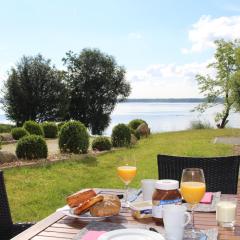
[{"x": 39, "y": 226}]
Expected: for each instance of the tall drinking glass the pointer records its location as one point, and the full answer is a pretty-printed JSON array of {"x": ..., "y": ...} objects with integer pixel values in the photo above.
[
  {"x": 193, "y": 188},
  {"x": 126, "y": 171}
]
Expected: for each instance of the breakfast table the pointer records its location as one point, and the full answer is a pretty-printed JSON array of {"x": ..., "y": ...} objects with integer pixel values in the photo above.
[{"x": 58, "y": 226}]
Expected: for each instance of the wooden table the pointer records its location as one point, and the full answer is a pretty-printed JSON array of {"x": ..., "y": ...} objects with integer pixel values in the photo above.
[{"x": 58, "y": 226}]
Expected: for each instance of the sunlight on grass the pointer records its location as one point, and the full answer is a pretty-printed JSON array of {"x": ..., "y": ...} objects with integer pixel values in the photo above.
[{"x": 36, "y": 192}]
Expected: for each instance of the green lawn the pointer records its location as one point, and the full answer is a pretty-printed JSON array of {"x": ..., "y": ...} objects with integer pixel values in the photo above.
[{"x": 36, "y": 192}]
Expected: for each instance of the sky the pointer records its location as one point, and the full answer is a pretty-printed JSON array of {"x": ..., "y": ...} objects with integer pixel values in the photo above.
[{"x": 162, "y": 44}]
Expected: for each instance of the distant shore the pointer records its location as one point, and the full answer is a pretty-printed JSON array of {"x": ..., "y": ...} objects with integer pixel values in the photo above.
[{"x": 170, "y": 100}]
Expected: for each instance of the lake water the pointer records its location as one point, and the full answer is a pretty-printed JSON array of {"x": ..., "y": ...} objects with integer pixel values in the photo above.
[
  {"x": 166, "y": 116},
  {"x": 162, "y": 116}
]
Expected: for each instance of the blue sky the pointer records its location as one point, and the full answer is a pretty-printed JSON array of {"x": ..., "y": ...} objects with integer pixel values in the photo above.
[{"x": 162, "y": 44}]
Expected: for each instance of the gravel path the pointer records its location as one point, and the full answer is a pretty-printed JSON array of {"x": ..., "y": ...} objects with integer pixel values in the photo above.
[
  {"x": 51, "y": 143},
  {"x": 228, "y": 140}
]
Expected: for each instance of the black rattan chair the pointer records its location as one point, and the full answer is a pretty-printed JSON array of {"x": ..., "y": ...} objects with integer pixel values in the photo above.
[
  {"x": 7, "y": 228},
  {"x": 221, "y": 173}
]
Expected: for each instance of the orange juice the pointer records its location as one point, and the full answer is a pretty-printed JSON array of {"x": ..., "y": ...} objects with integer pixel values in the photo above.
[
  {"x": 193, "y": 192},
  {"x": 126, "y": 173}
]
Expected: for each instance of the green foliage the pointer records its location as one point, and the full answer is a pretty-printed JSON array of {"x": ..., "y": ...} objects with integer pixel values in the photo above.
[
  {"x": 73, "y": 137},
  {"x": 19, "y": 132},
  {"x": 50, "y": 129},
  {"x": 35, "y": 90},
  {"x": 135, "y": 133},
  {"x": 5, "y": 128},
  {"x": 96, "y": 84},
  {"x": 101, "y": 144},
  {"x": 200, "y": 125},
  {"x": 33, "y": 128},
  {"x": 60, "y": 124},
  {"x": 236, "y": 89},
  {"x": 31, "y": 147},
  {"x": 227, "y": 57},
  {"x": 121, "y": 135},
  {"x": 135, "y": 123}
]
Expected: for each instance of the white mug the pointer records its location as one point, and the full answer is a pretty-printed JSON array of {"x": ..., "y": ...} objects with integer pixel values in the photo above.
[
  {"x": 148, "y": 187},
  {"x": 175, "y": 218}
]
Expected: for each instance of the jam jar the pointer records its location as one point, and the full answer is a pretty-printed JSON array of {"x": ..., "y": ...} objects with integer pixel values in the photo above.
[{"x": 166, "y": 192}]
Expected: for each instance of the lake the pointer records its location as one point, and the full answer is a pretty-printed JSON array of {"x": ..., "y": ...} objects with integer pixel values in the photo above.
[
  {"x": 162, "y": 116},
  {"x": 166, "y": 116}
]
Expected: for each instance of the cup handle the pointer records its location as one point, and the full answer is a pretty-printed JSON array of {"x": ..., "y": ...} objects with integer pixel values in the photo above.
[{"x": 188, "y": 219}]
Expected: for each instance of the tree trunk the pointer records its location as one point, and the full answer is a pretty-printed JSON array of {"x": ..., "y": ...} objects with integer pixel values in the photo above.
[{"x": 224, "y": 120}]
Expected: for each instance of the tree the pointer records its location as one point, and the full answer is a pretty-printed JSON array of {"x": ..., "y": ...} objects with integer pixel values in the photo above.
[
  {"x": 96, "y": 83},
  {"x": 236, "y": 82},
  {"x": 225, "y": 67},
  {"x": 34, "y": 90}
]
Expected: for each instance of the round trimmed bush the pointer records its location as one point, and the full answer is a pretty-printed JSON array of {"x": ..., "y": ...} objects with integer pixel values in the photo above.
[
  {"x": 19, "y": 132},
  {"x": 33, "y": 128},
  {"x": 59, "y": 125},
  {"x": 73, "y": 137},
  {"x": 135, "y": 123},
  {"x": 50, "y": 129},
  {"x": 101, "y": 144},
  {"x": 121, "y": 135},
  {"x": 32, "y": 147}
]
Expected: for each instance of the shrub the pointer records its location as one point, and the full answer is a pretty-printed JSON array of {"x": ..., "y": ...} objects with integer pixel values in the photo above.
[
  {"x": 135, "y": 123},
  {"x": 200, "y": 125},
  {"x": 121, "y": 135},
  {"x": 135, "y": 133},
  {"x": 33, "y": 128},
  {"x": 5, "y": 128},
  {"x": 73, "y": 137},
  {"x": 32, "y": 147},
  {"x": 59, "y": 125},
  {"x": 19, "y": 132},
  {"x": 50, "y": 129},
  {"x": 101, "y": 144}
]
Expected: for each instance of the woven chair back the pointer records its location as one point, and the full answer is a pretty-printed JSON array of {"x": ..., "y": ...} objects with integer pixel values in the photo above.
[
  {"x": 5, "y": 214},
  {"x": 221, "y": 173}
]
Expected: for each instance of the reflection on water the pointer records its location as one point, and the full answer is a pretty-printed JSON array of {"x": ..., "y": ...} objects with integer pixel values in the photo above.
[{"x": 166, "y": 116}]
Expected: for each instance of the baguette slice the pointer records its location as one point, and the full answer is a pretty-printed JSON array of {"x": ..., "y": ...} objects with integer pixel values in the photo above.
[
  {"x": 76, "y": 199},
  {"x": 84, "y": 207}
]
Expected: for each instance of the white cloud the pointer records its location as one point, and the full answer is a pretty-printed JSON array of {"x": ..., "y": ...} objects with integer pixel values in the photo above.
[
  {"x": 167, "y": 80},
  {"x": 208, "y": 29},
  {"x": 135, "y": 35}
]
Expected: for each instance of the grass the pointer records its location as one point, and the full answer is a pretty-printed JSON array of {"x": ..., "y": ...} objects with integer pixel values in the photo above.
[
  {"x": 6, "y": 128},
  {"x": 36, "y": 192}
]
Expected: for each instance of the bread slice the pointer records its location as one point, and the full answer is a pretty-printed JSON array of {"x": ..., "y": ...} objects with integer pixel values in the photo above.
[
  {"x": 83, "y": 207},
  {"x": 77, "y": 198}
]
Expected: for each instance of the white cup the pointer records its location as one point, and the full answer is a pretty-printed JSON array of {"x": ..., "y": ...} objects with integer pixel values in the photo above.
[
  {"x": 148, "y": 187},
  {"x": 175, "y": 218}
]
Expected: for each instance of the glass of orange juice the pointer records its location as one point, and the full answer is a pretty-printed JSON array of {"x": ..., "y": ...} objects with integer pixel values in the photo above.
[
  {"x": 193, "y": 188},
  {"x": 126, "y": 171}
]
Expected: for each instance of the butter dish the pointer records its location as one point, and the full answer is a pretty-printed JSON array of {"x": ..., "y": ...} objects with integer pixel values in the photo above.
[{"x": 141, "y": 209}]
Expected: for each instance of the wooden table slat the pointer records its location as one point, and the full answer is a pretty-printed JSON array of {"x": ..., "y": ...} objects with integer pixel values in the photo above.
[
  {"x": 48, "y": 238},
  {"x": 57, "y": 234},
  {"x": 40, "y": 226}
]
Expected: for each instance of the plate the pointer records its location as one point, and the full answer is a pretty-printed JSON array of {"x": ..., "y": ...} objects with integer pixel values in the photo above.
[
  {"x": 131, "y": 234},
  {"x": 86, "y": 217}
]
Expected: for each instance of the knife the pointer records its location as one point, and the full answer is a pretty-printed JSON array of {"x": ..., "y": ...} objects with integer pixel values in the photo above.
[{"x": 135, "y": 196}]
